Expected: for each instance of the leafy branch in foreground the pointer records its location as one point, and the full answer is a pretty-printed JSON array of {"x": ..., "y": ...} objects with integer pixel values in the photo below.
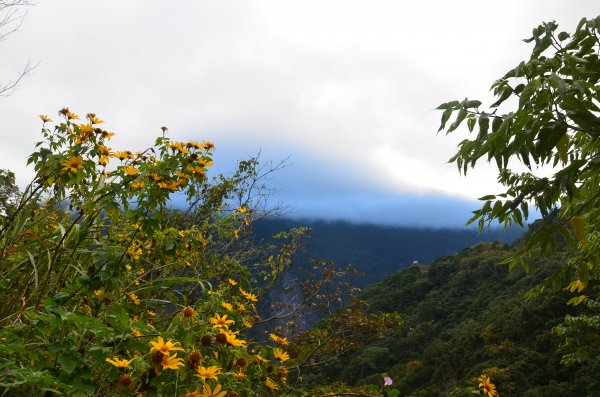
[{"x": 552, "y": 131}]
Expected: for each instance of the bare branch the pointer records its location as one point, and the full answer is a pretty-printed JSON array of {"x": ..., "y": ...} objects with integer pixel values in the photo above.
[
  {"x": 6, "y": 89},
  {"x": 12, "y": 16}
]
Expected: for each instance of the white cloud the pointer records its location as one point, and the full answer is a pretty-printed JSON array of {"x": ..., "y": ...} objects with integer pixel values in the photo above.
[{"x": 344, "y": 82}]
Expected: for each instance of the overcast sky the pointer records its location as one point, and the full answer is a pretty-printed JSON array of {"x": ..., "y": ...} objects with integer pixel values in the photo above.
[{"x": 346, "y": 89}]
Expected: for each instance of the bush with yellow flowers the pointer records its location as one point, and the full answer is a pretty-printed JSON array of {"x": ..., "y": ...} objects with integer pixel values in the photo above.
[{"x": 104, "y": 291}]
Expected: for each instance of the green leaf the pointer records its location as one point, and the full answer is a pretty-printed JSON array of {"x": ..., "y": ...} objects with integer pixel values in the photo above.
[
  {"x": 448, "y": 105},
  {"x": 472, "y": 104},
  {"x": 471, "y": 123},
  {"x": 578, "y": 228},
  {"x": 484, "y": 125},
  {"x": 445, "y": 116},
  {"x": 496, "y": 123},
  {"x": 462, "y": 114},
  {"x": 562, "y": 36},
  {"x": 67, "y": 360},
  {"x": 504, "y": 95},
  {"x": 559, "y": 84},
  {"x": 562, "y": 146},
  {"x": 528, "y": 91}
]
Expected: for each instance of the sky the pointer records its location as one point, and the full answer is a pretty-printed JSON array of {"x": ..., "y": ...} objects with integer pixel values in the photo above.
[{"x": 344, "y": 91}]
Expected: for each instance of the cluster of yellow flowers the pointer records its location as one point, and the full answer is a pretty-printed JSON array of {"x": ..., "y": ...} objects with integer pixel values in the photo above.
[
  {"x": 163, "y": 354},
  {"x": 135, "y": 267}
]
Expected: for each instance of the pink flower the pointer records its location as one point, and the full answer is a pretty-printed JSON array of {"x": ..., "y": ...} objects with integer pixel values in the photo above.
[{"x": 387, "y": 381}]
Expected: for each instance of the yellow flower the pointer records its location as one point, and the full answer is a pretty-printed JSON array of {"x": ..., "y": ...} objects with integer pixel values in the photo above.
[
  {"x": 73, "y": 163},
  {"x": 151, "y": 313},
  {"x": 160, "y": 345},
  {"x": 208, "y": 372},
  {"x": 232, "y": 282},
  {"x": 104, "y": 150},
  {"x": 85, "y": 128},
  {"x": 169, "y": 185},
  {"x": 247, "y": 323},
  {"x": 45, "y": 118},
  {"x": 279, "y": 340},
  {"x": 94, "y": 119},
  {"x": 98, "y": 294},
  {"x": 136, "y": 332},
  {"x": 250, "y": 296},
  {"x": 205, "y": 162},
  {"x": 271, "y": 385},
  {"x": 135, "y": 252},
  {"x": 239, "y": 376},
  {"x": 227, "y": 306},
  {"x": 137, "y": 185},
  {"x": 131, "y": 171},
  {"x": 242, "y": 210},
  {"x": 219, "y": 321},
  {"x": 134, "y": 298},
  {"x": 196, "y": 170},
  {"x": 216, "y": 392},
  {"x": 207, "y": 145},
  {"x": 231, "y": 338},
  {"x": 154, "y": 177},
  {"x": 261, "y": 359},
  {"x": 103, "y": 161},
  {"x": 122, "y": 155},
  {"x": 128, "y": 267},
  {"x": 280, "y": 354},
  {"x": 119, "y": 363},
  {"x": 72, "y": 116},
  {"x": 487, "y": 387},
  {"x": 171, "y": 362},
  {"x": 178, "y": 146}
]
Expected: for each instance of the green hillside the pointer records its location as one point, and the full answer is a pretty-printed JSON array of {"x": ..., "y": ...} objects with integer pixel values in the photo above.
[{"x": 464, "y": 315}]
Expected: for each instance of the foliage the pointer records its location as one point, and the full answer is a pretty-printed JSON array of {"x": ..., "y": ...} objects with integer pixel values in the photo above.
[
  {"x": 463, "y": 317},
  {"x": 104, "y": 293},
  {"x": 9, "y": 194},
  {"x": 553, "y": 132},
  {"x": 553, "y": 127}
]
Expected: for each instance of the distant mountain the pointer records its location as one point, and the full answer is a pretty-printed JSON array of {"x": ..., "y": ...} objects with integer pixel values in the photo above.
[{"x": 375, "y": 250}]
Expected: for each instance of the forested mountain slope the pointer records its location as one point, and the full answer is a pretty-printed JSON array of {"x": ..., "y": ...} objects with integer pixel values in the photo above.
[{"x": 465, "y": 315}]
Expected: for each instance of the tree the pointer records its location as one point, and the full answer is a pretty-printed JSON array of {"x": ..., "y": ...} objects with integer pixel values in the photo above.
[
  {"x": 9, "y": 193},
  {"x": 551, "y": 129},
  {"x": 11, "y": 19}
]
